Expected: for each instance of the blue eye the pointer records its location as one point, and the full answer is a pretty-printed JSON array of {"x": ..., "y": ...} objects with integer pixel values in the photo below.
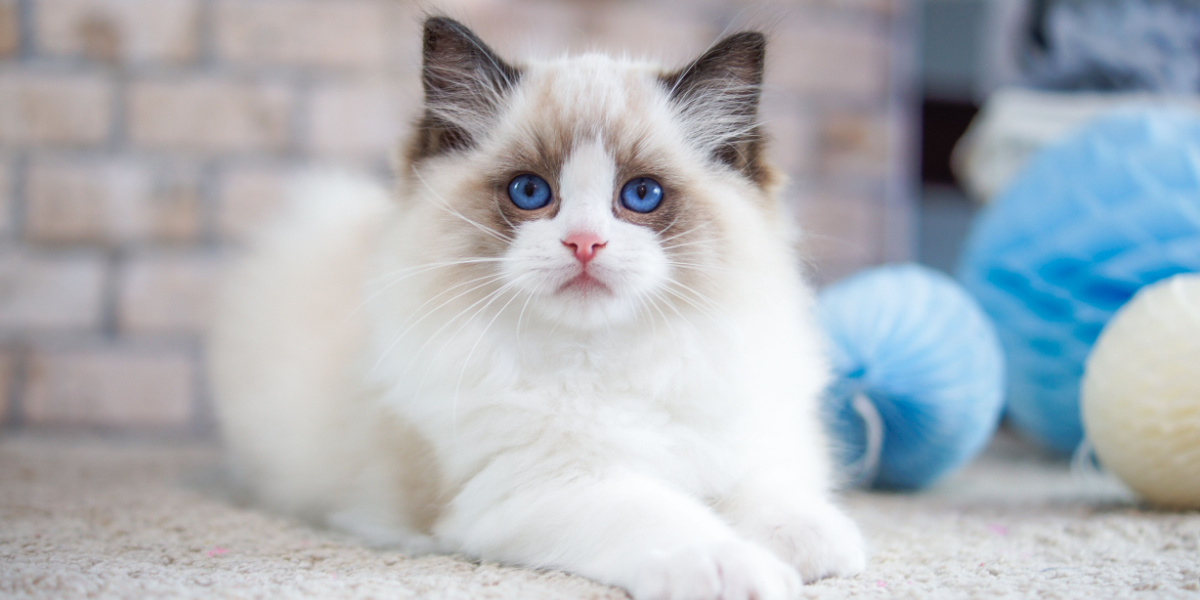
[
  {"x": 529, "y": 192},
  {"x": 641, "y": 195}
]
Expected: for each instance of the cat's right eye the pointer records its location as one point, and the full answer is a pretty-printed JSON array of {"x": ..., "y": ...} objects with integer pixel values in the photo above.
[{"x": 529, "y": 192}]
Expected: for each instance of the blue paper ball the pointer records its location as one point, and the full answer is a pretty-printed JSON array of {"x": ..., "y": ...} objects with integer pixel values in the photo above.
[
  {"x": 1084, "y": 226},
  {"x": 911, "y": 342}
]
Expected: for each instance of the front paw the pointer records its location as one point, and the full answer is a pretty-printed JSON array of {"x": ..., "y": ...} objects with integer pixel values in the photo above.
[
  {"x": 731, "y": 570},
  {"x": 818, "y": 541}
]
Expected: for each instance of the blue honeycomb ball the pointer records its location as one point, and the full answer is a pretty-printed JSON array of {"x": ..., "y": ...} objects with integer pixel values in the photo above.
[
  {"x": 1083, "y": 227},
  {"x": 920, "y": 375}
]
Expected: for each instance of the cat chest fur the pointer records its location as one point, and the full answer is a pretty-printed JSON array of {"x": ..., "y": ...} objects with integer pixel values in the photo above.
[{"x": 668, "y": 404}]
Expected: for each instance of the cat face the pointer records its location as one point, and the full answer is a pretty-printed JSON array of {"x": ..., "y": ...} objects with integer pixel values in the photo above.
[{"x": 589, "y": 191}]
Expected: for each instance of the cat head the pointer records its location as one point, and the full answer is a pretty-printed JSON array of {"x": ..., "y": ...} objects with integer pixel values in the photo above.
[{"x": 592, "y": 191}]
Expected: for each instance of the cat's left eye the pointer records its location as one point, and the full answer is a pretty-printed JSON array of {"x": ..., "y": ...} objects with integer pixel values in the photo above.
[{"x": 641, "y": 194}]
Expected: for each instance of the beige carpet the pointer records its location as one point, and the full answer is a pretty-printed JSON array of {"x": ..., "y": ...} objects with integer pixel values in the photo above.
[{"x": 122, "y": 519}]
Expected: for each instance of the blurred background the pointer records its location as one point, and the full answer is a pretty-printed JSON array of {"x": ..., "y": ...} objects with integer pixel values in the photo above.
[{"x": 142, "y": 140}]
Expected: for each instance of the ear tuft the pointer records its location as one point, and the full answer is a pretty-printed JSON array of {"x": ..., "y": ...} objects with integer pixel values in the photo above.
[
  {"x": 465, "y": 86},
  {"x": 717, "y": 97}
]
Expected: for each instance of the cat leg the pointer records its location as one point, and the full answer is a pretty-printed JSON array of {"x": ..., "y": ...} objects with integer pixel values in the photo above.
[
  {"x": 622, "y": 529},
  {"x": 378, "y": 533},
  {"x": 802, "y": 527}
]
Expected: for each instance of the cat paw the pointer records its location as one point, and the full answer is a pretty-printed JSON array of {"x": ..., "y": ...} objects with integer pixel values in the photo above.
[
  {"x": 733, "y": 570},
  {"x": 820, "y": 542}
]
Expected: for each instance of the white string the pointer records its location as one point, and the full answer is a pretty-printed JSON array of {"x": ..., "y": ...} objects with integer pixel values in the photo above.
[
  {"x": 1093, "y": 479},
  {"x": 868, "y": 464},
  {"x": 1086, "y": 470},
  {"x": 1082, "y": 460}
]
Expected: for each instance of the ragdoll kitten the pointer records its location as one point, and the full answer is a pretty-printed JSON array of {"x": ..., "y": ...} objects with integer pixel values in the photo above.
[{"x": 575, "y": 338}]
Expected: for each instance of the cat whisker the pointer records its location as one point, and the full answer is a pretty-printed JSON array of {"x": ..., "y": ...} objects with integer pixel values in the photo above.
[
  {"x": 486, "y": 279},
  {"x": 400, "y": 278},
  {"x": 698, "y": 267},
  {"x": 657, "y": 301},
  {"x": 507, "y": 221},
  {"x": 643, "y": 307},
  {"x": 444, "y": 205},
  {"x": 722, "y": 324},
  {"x": 671, "y": 224},
  {"x": 704, "y": 272},
  {"x": 486, "y": 298},
  {"x": 682, "y": 318},
  {"x": 653, "y": 302},
  {"x": 520, "y": 318},
  {"x": 686, "y": 244},
  {"x": 429, "y": 266},
  {"x": 685, "y": 232},
  {"x": 691, "y": 249},
  {"x": 696, "y": 302},
  {"x": 697, "y": 293},
  {"x": 487, "y": 301},
  {"x": 386, "y": 351},
  {"x": 466, "y": 361}
]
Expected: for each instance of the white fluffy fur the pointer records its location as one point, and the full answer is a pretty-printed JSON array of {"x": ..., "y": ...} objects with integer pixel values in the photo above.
[{"x": 660, "y": 438}]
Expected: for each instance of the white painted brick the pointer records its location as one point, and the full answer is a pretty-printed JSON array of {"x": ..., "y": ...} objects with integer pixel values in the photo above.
[
  {"x": 881, "y": 7},
  {"x": 670, "y": 34},
  {"x": 209, "y": 115},
  {"x": 6, "y": 198},
  {"x": 167, "y": 294},
  {"x": 505, "y": 27},
  {"x": 361, "y": 120},
  {"x": 136, "y": 31},
  {"x": 661, "y": 31},
  {"x": 843, "y": 232},
  {"x": 173, "y": 211},
  {"x": 249, "y": 197},
  {"x": 791, "y": 139},
  {"x": 304, "y": 33},
  {"x": 50, "y": 293},
  {"x": 836, "y": 57},
  {"x": 109, "y": 201},
  {"x": 110, "y": 386},
  {"x": 54, "y": 109},
  {"x": 10, "y": 28},
  {"x": 7, "y": 364},
  {"x": 854, "y": 144}
]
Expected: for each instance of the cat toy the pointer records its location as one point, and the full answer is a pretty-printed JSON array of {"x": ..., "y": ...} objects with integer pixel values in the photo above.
[
  {"x": 1085, "y": 225},
  {"x": 920, "y": 375},
  {"x": 1141, "y": 393}
]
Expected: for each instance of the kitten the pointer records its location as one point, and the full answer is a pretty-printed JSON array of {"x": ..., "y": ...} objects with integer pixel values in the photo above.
[{"x": 576, "y": 338}]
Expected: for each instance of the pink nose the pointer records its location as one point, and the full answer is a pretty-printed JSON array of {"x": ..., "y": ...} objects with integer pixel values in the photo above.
[{"x": 585, "y": 244}]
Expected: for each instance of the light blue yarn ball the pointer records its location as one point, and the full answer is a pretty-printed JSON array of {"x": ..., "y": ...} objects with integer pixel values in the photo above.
[
  {"x": 1084, "y": 226},
  {"x": 914, "y": 344}
]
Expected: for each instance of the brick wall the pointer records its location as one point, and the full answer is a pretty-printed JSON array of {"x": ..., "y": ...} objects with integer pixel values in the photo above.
[{"x": 141, "y": 140}]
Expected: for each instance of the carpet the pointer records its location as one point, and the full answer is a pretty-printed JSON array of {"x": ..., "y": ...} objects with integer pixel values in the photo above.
[{"x": 117, "y": 518}]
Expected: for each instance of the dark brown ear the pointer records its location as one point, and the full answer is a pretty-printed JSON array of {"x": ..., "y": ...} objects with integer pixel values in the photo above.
[
  {"x": 717, "y": 97},
  {"x": 465, "y": 85}
]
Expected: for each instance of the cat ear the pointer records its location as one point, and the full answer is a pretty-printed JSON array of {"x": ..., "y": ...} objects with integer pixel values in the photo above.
[
  {"x": 465, "y": 84},
  {"x": 717, "y": 99}
]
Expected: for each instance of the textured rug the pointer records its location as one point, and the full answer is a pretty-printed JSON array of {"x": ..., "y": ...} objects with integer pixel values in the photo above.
[{"x": 105, "y": 518}]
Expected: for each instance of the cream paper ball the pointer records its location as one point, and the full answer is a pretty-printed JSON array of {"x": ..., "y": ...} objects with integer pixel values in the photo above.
[{"x": 1141, "y": 393}]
